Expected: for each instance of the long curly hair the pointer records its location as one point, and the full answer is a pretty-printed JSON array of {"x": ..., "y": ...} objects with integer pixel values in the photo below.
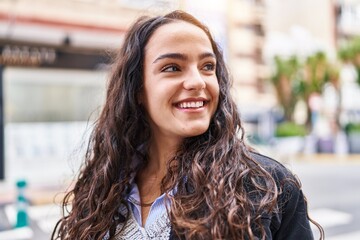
[{"x": 221, "y": 191}]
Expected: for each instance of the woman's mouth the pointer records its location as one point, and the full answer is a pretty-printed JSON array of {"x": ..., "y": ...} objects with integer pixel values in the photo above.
[{"x": 192, "y": 104}]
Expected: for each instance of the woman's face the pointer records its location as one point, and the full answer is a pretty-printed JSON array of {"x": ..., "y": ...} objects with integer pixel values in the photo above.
[{"x": 181, "y": 89}]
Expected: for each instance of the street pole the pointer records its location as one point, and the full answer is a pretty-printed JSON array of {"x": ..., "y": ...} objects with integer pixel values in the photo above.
[{"x": 2, "y": 160}]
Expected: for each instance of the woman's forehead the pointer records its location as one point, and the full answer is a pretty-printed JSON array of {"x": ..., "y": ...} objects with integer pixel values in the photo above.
[{"x": 175, "y": 34}]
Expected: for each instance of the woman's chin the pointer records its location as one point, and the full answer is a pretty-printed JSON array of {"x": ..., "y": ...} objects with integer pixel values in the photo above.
[{"x": 193, "y": 132}]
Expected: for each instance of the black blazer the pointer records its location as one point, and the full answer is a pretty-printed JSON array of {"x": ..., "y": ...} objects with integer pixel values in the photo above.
[{"x": 291, "y": 221}]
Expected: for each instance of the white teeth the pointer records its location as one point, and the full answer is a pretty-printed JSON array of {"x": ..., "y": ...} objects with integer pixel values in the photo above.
[{"x": 196, "y": 104}]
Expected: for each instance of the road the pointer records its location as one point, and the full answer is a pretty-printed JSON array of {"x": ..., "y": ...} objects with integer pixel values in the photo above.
[
  {"x": 333, "y": 193},
  {"x": 332, "y": 190}
]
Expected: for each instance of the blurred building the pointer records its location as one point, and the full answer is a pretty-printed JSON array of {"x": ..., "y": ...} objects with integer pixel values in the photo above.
[
  {"x": 54, "y": 57},
  {"x": 53, "y": 65},
  {"x": 347, "y": 13},
  {"x": 300, "y": 27},
  {"x": 246, "y": 39}
]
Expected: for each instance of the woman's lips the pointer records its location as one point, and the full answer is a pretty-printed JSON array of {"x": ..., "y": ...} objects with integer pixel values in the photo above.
[{"x": 191, "y": 103}]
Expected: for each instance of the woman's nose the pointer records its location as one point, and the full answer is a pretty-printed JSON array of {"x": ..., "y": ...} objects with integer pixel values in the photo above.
[{"x": 194, "y": 80}]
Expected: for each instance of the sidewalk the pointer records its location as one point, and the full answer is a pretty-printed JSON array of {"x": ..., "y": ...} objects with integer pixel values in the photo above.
[
  {"x": 37, "y": 194},
  {"x": 328, "y": 158},
  {"x": 310, "y": 158},
  {"x": 43, "y": 211}
]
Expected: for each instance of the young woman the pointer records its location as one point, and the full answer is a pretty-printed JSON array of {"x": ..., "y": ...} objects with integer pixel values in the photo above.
[{"x": 167, "y": 158}]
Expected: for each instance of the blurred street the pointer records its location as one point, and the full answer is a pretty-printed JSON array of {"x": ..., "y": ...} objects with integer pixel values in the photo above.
[
  {"x": 331, "y": 185},
  {"x": 333, "y": 192}
]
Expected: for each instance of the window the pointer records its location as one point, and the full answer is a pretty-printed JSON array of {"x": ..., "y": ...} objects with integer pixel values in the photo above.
[{"x": 48, "y": 115}]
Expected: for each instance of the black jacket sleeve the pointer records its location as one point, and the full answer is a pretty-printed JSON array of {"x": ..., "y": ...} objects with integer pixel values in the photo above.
[{"x": 291, "y": 221}]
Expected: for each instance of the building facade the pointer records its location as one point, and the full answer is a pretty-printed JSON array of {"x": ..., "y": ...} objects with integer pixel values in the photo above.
[{"x": 54, "y": 57}]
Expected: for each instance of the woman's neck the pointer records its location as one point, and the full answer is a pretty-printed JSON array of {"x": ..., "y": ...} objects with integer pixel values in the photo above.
[
  {"x": 150, "y": 176},
  {"x": 160, "y": 151}
]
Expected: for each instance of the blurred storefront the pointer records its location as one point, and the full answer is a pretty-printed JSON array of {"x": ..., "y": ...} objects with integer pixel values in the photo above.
[{"x": 53, "y": 58}]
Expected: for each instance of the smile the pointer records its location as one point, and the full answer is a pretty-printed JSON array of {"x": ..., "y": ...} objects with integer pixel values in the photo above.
[{"x": 194, "y": 104}]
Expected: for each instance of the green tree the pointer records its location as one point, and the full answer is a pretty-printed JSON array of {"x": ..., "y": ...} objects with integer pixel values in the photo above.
[
  {"x": 286, "y": 71},
  {"x": 294, "y": 81},
  {"x": 316, "y": 72},
  {"x": 350, "y": 53}
]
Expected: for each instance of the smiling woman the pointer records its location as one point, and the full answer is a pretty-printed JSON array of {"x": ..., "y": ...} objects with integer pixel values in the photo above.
[
  {"x": 181, "y": 90},
  {"x": 167, "y": 158}
]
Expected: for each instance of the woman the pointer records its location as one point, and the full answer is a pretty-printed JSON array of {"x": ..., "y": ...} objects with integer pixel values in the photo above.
[{"x": 167, "y": 158}]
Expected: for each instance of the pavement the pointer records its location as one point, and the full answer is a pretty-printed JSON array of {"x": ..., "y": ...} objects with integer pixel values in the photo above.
[
  {"x": 43, "y": 211},
  {"x": 44, "y": 208},
  {"x": 333, "y": 193}
]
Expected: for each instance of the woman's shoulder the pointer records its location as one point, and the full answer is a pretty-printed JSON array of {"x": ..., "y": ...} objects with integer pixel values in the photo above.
[
  {"x": 277, "y": 170},
  {"x": 290, "y": 221}
]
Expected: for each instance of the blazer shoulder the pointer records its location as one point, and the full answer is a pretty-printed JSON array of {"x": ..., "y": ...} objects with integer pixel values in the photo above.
[{"x": 277, "y": 170}]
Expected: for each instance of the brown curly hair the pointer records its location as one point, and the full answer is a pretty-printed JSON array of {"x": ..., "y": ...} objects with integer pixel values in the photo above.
[{"x": 221, "y": 191}]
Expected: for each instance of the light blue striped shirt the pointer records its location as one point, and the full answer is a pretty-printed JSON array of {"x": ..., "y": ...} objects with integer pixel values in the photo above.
[
  {"x": 157, "y": 225},
  {"x": 157, "y": 209}
]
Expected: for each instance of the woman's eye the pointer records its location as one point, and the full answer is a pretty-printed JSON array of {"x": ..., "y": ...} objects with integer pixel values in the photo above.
[
  {"x": 209, "y": 67},
  {"x": 171, "y": 68}
]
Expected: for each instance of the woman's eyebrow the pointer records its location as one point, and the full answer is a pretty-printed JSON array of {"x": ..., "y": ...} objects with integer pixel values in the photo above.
[
  {"x": 179, "y": 56},
  {"x": 207, "y": 54}
]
